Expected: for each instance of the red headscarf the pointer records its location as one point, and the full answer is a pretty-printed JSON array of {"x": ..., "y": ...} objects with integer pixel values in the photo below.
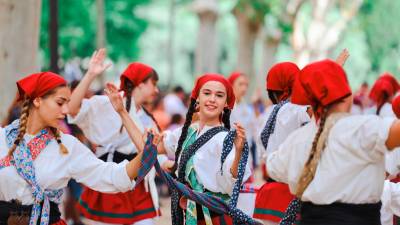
[
  {"x": 214, "y": 77},
  {"x": 135, "y": 72},
  {"x": 385, "y": 84},
  {"x": 38, "y": 84},
  {"x": 396, "y": 106},
  {"x": 234, "y": 76},
  {"x": 281, "y": 78},
  {"x": 320, "y": 84}
]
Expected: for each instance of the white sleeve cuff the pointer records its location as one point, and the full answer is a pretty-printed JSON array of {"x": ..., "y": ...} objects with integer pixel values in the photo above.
[{"x": 120, "y": 178}]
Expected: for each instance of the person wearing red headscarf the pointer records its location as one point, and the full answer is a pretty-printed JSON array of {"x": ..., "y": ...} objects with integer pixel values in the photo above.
[
  {"x": 274, "y": 127},
  {"x": 212, "y": 98},
  {"x": 382, "y": 93},
  {"x": 37, "y": 160},
  {"x": 334, "y": 164},
  {"x": 102, "y": 126}
]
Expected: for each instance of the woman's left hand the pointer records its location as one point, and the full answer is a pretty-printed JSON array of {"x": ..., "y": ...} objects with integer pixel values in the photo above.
[
  {"x": 115, "y": 98},
  {"x": 240, "y": 138}
]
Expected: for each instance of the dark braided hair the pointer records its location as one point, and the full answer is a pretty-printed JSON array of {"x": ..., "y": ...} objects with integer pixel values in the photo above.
[
  {"x": 128, "y": 94},
  {"x": 226, "y": 118},
  {"x": 185, "y": 128},
  {"x": 152, "y": 117},
  {"x": 274, "y": 96}
]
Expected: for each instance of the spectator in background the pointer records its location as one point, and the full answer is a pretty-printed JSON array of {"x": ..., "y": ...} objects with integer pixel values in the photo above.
[{"x": 174, "y": 102}]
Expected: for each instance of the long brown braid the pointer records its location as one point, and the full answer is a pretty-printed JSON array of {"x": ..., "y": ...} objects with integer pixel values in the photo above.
[
  {"x": 308, "y": 172},
  {"x": 57, "y": 135},
  {"x": 23, "y": 120}
]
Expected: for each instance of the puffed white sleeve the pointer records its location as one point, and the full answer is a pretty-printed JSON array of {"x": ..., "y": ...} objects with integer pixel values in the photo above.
[
  {"x": 278, "y": 161},
  {"x": 86, "y": 168},
  {"x": 392, "y": 162},
  {"x": 225, "y": 179},
  {"x": 97, "y": 119},
  {"x": 170, "y": 140},
  {"x": 373, "y": 135}
]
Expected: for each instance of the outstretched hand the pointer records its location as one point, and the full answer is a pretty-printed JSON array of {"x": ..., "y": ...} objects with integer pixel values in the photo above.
[
  {"x": 115, "y": 98},
  {"x": 96, "y": 63}
]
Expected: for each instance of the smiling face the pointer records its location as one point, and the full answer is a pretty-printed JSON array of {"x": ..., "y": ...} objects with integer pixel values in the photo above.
[
  {"x": 212, "y": 100},
  {"x": 53, "y": 107}
]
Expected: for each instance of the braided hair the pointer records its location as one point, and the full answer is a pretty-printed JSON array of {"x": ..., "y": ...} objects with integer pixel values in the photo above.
[
  {"x": 185, "y": 128},
  {"x": 24, "y": 121},
  {"x": 22, "y": 124}
]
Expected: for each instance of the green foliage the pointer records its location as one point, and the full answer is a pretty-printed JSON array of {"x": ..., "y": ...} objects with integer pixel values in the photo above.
[
  {"x": 380, "y": 22},
  {"x": 77, "y": 29}
]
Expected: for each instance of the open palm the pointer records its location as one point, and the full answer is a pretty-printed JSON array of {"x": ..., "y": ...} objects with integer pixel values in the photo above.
[
  {"x": 96, "y": 63},
  {"x": 114, "y": 96}
]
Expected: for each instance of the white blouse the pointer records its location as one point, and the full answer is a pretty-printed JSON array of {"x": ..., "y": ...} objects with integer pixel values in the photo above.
[
  {"x": 290, "y": 117},
  {"x": 207, "y": 162},
  {"x": 351, "y": 168},
  {"x": 390, "y": 202},
  {"x": 54, "y": 170}
]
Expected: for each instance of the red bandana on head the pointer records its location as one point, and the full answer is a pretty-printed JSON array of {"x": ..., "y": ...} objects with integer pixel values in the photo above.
[
  {"x": 214, "y": 77},
  {"x": 384, "y": 88},
  {"x": 234, "y": 76},
  {"x": 135, "y": 72},
  {"x": 38, "y": 84},
  {"x": 320, "y": 84},
  {"x": 281, "y": 78}
]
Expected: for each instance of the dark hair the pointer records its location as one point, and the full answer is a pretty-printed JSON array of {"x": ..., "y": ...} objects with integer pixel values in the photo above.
[
  {"x": 274, "y": 96},
  {"x": 152, "y": 117},
  {"x": 176, "y": 118},
  {"x": 385, "y": 97},
  {"x": 185, "y": 128},
  {"x": 226, "y": 118},
  {"x": 178, "y": 89}
]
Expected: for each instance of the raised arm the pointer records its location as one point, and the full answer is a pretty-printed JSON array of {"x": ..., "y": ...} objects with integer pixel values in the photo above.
[
  {"x": 342, "y": 58},
  {"x": 96, "y": 67}
]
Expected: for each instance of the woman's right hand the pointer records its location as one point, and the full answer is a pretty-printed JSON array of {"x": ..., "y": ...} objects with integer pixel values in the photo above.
[{"x": 96, "y": 63}]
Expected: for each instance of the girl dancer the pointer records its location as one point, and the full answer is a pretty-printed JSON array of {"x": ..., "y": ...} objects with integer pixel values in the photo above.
[
  {"x": 334, "y": 164},
  {"x": 103, "y": 127},
  {"x": 37, "y": 160}
]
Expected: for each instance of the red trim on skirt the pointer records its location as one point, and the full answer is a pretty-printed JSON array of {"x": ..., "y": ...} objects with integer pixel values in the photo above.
[
  {"x": 271, "y": 201},
  {"x": 120, "y": 208}
]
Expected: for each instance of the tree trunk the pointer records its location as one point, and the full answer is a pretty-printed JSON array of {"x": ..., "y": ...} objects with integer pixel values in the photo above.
[
  {"x": 206, "y": 58},
  {"x": 248, "y": 33},
  {"x": 321, "y": 37},
  {"x": 101, "y": 32},
  {"x": 19, "y": 42},
  {"x": 270, "y": 47}
]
